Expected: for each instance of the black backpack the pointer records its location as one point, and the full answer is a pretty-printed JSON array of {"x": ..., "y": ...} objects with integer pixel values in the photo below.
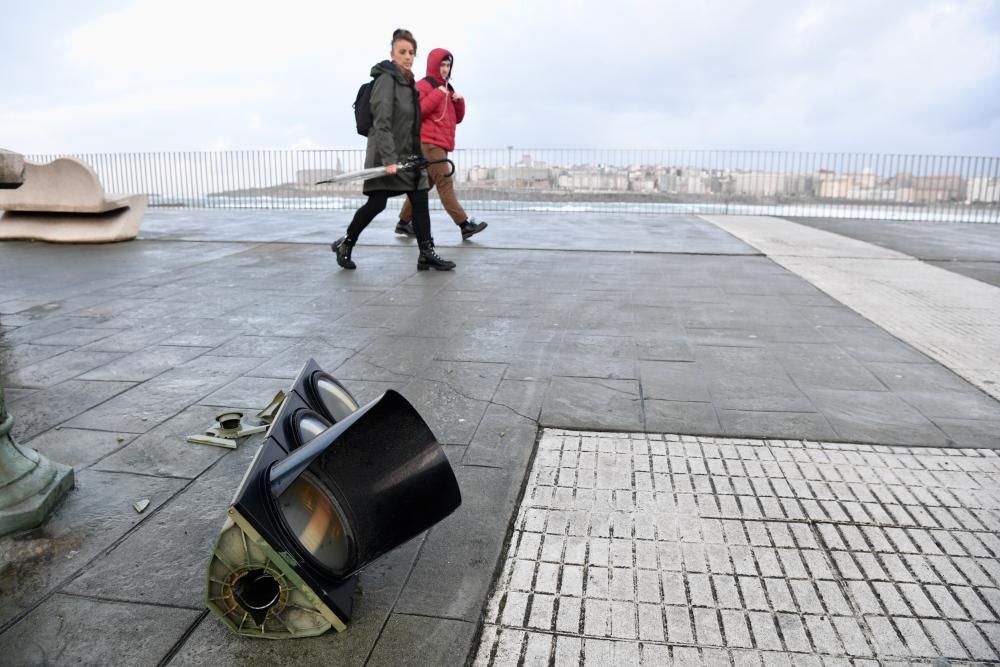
[{"x": 363, "y": 108}]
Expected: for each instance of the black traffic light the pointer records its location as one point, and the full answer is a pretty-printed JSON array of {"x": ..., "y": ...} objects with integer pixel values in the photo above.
[{"x": 333, "y": 486}]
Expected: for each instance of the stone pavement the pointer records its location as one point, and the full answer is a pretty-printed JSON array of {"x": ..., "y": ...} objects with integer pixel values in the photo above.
[{"x": 666, "y": 339}]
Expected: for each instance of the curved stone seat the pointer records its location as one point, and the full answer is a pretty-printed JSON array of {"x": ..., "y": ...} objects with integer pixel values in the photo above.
[{"x": 63, "y": 202}]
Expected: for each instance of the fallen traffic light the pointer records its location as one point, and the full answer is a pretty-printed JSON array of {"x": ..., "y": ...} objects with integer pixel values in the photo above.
[{"x": 333, "y": 486}]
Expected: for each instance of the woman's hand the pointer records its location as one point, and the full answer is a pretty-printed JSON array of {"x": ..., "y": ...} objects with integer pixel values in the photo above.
[{"x": 391, "y": 169}]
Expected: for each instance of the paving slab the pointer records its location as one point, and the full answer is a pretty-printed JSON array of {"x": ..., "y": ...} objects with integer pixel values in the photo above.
[
  {"x": 78, "y": 448},
  {"x": 600, "y": 403},
  {"x": 68, "y": 629},
  {"x": 438, "y": 641},
  {"x": 58, "y": 404},
  {"x": 65, "y": 366},
  {"x": 141, "y": 365},
  {"x": 504, "y": 439}
]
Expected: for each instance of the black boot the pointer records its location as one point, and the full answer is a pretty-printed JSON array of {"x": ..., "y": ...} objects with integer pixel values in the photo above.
[
  {"x": 405, "y": 228},
  {"x": 431, "y": 260},
  {"x": 343, "y": 247},
  {"x": 470, "y": 228}
]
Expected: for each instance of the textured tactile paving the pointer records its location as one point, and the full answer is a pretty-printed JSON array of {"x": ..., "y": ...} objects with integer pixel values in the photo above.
[{"x": 645, "y": 549}]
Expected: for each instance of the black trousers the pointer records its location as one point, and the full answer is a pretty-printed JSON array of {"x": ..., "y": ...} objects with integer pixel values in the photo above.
[{"x": 376, "y": 204}]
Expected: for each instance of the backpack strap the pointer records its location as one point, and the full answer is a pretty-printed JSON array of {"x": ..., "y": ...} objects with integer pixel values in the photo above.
[{"x": 434, "y": 83}]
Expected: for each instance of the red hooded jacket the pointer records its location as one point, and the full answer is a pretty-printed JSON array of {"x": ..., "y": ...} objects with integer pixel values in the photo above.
[{"x": 440, "y": 112}]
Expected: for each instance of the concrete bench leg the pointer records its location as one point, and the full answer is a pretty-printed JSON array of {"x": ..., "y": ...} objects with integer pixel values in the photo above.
[{"x": 118, "y": 225}]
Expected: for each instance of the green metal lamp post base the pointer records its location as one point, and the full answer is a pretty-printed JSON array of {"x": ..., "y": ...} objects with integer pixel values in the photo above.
[{"x": 30, "y": 484}]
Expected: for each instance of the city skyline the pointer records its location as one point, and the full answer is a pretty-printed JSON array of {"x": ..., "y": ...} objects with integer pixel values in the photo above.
[{"x": 858, "y": 181}]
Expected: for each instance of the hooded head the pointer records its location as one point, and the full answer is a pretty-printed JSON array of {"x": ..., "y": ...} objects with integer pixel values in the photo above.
[{"x": 434, "y": 60}]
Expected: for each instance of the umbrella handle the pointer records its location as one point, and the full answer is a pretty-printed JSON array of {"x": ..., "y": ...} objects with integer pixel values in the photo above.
[{"x": 416, "y": 162}]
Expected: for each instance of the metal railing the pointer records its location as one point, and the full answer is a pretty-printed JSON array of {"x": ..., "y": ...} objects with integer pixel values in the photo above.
[{"x": 855, "y": 185}]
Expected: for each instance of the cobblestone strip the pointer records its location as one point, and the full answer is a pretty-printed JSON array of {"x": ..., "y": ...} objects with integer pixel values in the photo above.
[
  {"x": 644, "y": 549},
  {"x": 949, "y": 317}
]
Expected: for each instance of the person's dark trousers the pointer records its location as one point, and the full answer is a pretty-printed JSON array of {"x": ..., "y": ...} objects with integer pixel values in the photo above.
[{"x": 376, "y": 204}]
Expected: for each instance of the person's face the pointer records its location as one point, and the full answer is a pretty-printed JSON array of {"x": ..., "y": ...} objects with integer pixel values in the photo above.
[
  {"x": 445, "y": 70},
  {"x": 403, "y": 54}
]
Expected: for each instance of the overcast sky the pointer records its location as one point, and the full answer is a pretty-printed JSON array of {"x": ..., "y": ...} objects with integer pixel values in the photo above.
[{"x": 905, "y": 76}]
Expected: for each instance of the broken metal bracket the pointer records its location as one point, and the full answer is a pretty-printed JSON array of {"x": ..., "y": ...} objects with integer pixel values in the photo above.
[
  {"x": 266, "y": 416},
  {"x": 228, "y": 429}
]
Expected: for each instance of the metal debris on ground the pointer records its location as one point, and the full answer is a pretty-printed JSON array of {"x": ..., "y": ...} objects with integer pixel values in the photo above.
[
  {"x": 212, "y": 440},
  {"x": 266, "y": 416},
  {"x": 227, "y": 431}
]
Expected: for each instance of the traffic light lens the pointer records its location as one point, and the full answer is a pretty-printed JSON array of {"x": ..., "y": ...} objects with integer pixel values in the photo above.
[
  {"x": 315, "y": 519},
  {"x": 337, "y": 402},
  {"x": 308, "y": 425}
]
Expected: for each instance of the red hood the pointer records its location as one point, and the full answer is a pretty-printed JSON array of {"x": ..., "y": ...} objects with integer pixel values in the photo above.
[{"x": 434, "y": 59}]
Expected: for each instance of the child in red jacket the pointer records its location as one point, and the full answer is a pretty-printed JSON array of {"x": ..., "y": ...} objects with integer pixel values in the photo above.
[{"x": 442, "y": 109}]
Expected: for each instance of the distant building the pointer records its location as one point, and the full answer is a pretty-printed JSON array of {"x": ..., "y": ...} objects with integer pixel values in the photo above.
[
  {"x": 480, "y": 174},
  {"x": 758, "y": 183},
  {"x": 800, "y": 185},
  {"x": 832, "y": 185},
  {"x": 983, "y": 190},
  {"x": 642, "y": 179},
  {"x": 522, "y": 177},
  {"x": 685, "y": 180},
  {"x": 593, "y": 179},
  {"x": 927, "y": 189}
]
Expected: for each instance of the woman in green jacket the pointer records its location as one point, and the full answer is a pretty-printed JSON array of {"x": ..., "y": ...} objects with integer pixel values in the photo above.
[{"x": 394, "y": 136}]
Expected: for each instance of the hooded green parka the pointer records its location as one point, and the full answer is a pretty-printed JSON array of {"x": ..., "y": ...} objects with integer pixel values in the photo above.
[{"x": 395, "y": 131}]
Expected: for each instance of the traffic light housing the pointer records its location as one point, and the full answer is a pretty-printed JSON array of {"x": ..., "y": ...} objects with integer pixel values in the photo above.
[{"x": 333, "y": 486}]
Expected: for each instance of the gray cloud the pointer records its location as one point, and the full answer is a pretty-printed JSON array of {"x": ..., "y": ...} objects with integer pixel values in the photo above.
[{"x": 894, "y": 76}]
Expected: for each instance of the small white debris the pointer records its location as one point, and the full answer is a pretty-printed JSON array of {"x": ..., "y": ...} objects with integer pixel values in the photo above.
[{"x": 141, "y": 505}]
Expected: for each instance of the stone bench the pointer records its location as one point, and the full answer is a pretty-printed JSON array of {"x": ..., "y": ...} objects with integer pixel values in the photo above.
[{"x": 63, "y": 202}]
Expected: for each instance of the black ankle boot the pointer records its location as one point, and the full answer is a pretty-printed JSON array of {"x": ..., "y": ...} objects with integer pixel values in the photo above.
[
  {"x": 405, "y": 228},
  {"x": 431, "y": 260},
  {"x": 470, "y": 228},
  {"x": 343, "y": 247}
]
